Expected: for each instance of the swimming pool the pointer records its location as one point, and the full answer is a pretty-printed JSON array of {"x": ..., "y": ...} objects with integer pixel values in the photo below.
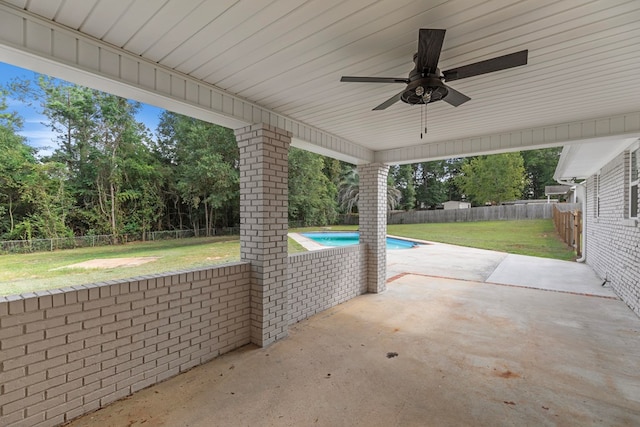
[{"x": 353, "y": 238}]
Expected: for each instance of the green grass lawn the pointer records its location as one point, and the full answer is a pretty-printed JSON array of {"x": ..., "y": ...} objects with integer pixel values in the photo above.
[
  {"x": 46, "y": 270},
  {"x": 526, "y": 237},
  {"x": 535, "y": 237},
  {"x": 21, "y": 273}
]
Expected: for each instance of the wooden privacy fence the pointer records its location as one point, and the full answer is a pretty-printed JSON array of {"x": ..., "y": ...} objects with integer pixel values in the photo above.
[
  {"x": 568, "y": 223},
  {"x": 484, "y": 213}
]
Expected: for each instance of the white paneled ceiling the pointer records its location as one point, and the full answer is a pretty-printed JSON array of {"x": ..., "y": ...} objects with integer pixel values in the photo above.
[{"x": 288, "y": 56}]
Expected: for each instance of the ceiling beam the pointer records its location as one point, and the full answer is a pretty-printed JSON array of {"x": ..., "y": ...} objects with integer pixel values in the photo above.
[
  {"x": 622, "y": 126},
  {"x": 41, "y": 45}
]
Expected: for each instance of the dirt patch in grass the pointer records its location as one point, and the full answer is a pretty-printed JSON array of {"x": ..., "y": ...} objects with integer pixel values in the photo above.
[{"x": 112, "y": 262}]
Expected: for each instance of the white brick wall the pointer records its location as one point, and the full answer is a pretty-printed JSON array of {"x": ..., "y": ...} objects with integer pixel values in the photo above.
[
  {"x": 264, "y": 172},
  {"x": 372, "y": 207},
  {"x": 613, "y": 241},
  {"x": 67, "y": 352},
  {"x": 319, "y": 280}
]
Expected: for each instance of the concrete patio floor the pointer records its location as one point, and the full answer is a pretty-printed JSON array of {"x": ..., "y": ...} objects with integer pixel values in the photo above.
[
  {"x": 469, "y": 352},
  {"x": 458, "y": 262}
]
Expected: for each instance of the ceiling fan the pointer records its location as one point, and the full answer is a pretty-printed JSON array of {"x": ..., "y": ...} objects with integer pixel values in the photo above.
[{"x": 425, "y": 83}]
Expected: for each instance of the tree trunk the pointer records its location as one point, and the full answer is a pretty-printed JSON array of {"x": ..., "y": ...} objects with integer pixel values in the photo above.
[
  {"x": 11, "y": 213},
  {"x": 206, "y": 218},
  {"x": 112, "y": 195},
  {"x": 214, "y": 218}
]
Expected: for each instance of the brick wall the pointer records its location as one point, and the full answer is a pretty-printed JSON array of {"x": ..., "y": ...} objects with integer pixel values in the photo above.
[
  {"x": 319, "y": 280},
  {"x": 67, "y": 352},
  {"x": 613, "y": 241},
  {"x": 372, "y": 208},
  {"x": 263, "y": 226}
]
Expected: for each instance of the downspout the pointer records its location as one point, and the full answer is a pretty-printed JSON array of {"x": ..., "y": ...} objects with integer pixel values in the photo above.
[{"x": 583, "y": 200}]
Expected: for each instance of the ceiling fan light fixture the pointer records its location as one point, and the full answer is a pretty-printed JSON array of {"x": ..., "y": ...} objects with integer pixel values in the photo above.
[
  {"x": 425, "y": 83},
  {"x": 426, "y": 97}
]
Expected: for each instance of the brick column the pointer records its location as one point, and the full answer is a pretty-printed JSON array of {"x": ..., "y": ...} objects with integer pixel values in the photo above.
[
  {"x": 372, "y": 209},
  {"x": 263, "y": 226}
]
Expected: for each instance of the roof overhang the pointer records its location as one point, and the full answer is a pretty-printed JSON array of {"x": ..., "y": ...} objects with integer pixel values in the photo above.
[{"x": 579, "y": 161}]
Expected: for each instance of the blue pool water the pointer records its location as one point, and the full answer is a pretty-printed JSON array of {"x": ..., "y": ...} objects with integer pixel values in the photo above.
[{"x": 353, "y": 238}]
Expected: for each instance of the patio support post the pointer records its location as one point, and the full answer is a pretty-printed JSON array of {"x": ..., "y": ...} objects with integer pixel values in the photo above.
[
  {"x": 372, "y": 209},
  {"x": 263, "y": 226}
]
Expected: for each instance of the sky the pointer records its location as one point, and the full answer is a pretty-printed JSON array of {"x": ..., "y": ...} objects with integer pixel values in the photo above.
[{"x": 37, "y": 134}]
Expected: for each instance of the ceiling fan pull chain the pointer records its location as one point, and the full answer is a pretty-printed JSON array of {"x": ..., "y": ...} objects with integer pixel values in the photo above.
[
  {"x": 426, "y": 118},
  {"x": 421, "y": 119}
]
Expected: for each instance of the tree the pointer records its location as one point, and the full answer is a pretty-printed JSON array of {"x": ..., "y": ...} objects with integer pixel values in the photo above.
[
  {"x": 453, "y": 168},
  {"x": 107, "y": 175},
  {"x": 203, "y": 158},
  {"x": 435, "y": 181},
  {"x": 141, "y": 194},
  {"x": 16, "y": 162},
  {"x": 32, "y": 194},
  {"x": 107, "y": 156},
  {"x": 44, "y": 188},
  {"x": 394, "y": 195},
  {"x": 116, "y": 136},
  {"x": 540, "y": 165},
  {"x": 403, "y": 177},
  {"x": 431, "y": 183},
  {"x": 312, "y": 195},
  {"x": 493, "y": 179},
  {"x": 73, "y": 116},
  {"x": 349, "y": 192}
]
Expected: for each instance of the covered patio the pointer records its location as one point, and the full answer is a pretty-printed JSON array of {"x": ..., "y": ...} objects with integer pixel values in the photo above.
[
  {"x": 271, "y": 71},
  {"x": 429, "y": 351}
]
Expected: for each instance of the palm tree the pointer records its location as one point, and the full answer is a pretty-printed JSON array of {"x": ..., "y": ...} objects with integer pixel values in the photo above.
[
  {"x": 394, "y": 196},
  {"x": 349, "y": 192}
]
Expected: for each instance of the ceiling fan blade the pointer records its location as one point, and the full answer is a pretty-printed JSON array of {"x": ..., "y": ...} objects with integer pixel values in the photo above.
[
  {"x": 454, "y": 97},
  {"x": 373, "y": 79},
  {"x": 429, "y": 47},
  {"x": 389, "y": 102},
  {"x": 489, "y": 66}
]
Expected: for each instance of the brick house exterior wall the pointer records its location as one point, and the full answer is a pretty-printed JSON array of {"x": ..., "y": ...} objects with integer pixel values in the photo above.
[{"x": 613, "y": 239}]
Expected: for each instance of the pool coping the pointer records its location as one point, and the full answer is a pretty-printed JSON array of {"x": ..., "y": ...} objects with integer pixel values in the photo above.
[
  {"x": 307, "y": 243},
  {"x": 312, "y": 245}
]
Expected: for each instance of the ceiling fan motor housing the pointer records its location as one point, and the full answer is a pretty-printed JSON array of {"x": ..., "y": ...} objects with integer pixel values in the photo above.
[{"x": 429, "y": 84}]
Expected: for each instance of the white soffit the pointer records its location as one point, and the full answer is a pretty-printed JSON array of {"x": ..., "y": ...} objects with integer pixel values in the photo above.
[
  {"x": 584, "y": 158},
  {"x": 281, "y": 62}
]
